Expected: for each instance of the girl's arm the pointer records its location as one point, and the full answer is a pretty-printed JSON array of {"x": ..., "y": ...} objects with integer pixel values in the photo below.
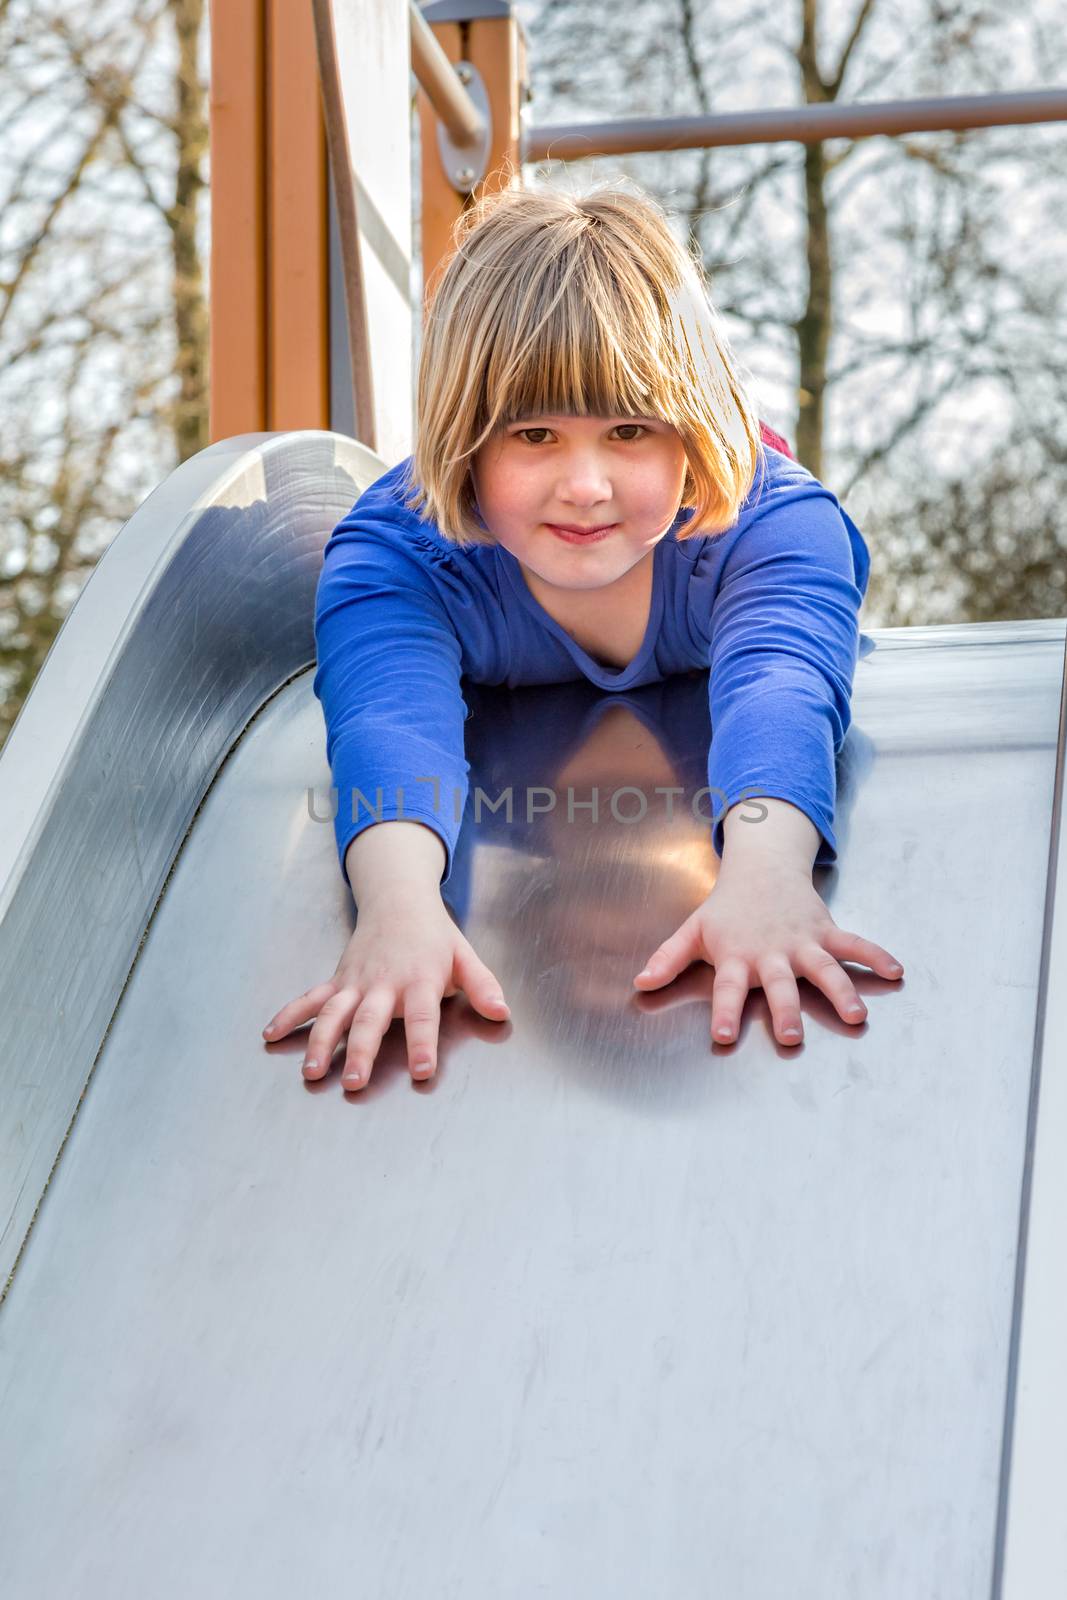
[
  {"x": 394, "y": 859},
  {"x": 782, "y": 653},
  {"x": 388, "y": 679},
  {"x": 784, "y": 835},
  {"x": 784, "y": 641},
  {"x": 389, "y": 682}
]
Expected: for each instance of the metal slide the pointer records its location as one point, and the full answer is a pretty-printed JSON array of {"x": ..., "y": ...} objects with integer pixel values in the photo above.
[{"x": 604, "y": 1310}]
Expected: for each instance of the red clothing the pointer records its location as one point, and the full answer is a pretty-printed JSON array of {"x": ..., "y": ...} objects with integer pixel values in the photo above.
[{"x": 775, "y": 441}]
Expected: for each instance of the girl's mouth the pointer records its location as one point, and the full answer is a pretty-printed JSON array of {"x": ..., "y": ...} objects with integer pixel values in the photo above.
[{"x": 593, "y": 536}]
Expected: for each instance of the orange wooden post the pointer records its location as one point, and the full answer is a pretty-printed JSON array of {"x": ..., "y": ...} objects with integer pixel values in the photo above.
[
  {"x": 269, "y": 218},
  {"x": 238, "y": 220},
  {"x": 298, "y": 289},
  {"x": 493, "y": 42}
]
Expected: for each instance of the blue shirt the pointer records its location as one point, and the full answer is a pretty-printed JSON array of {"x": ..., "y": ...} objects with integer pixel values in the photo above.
[{"x": 768, "y": 608}]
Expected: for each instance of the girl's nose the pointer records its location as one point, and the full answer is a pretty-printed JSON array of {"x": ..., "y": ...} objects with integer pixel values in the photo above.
[{"x": 584, "y": 486}]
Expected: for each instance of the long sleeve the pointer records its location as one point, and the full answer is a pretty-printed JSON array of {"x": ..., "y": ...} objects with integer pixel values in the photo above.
[
  {"x": 388, "y": 679},
  {"x": 783, "y": 650}
]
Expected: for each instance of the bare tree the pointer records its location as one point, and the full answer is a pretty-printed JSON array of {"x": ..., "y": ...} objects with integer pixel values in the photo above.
[{"x": 103, "y": 315}]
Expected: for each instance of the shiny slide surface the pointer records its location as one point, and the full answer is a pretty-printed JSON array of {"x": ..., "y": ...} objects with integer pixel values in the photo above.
[{"x": 604, "y": 1309}]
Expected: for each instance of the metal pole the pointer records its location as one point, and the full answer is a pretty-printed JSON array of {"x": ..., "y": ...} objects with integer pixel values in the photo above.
[
  {"x": 574, "y": 141},
  {"x": 437, "y": 76}
]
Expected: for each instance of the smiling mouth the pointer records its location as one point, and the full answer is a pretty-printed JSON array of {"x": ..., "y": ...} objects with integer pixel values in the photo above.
[{"x": 562, "y": 527}]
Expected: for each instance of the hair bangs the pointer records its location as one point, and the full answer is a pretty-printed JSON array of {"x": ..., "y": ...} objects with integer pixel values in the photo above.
[{"x": 590, "y": 353}]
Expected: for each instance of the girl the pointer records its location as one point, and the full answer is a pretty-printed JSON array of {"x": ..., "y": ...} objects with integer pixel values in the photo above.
[{"x": 589, "y": 496}]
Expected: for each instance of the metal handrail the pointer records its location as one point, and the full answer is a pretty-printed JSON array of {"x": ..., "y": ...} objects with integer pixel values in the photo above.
[
  {"x": 574, "y": 141},
  {"x": 441, "y": 83},
  {"x": 804, "y": 124}
]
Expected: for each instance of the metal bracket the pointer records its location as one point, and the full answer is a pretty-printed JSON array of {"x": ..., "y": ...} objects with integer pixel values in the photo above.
[{"x": 465, "y": 165}]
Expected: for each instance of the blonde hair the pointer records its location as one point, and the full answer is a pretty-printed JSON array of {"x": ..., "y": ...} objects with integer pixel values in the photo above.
[{"x": 576, "y": 305}]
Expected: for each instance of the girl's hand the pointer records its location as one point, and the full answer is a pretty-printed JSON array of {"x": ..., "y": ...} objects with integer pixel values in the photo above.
[
  {"x": 400, "y": 961},
  {"x": 761, "y": 927}
]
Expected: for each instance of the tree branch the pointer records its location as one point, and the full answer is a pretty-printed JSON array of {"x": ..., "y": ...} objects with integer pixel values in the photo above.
[{"x": 862, "y": 18}]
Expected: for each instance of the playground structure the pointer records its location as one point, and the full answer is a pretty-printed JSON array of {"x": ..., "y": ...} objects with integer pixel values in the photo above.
[{"x": 603, "y": 1310}]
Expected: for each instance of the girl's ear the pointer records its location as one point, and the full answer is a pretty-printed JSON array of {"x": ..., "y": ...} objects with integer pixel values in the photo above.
[{"x": 689, "y": 488}]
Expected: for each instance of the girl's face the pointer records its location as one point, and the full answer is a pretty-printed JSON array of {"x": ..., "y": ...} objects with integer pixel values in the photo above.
[{"x": 581, "y": 472}]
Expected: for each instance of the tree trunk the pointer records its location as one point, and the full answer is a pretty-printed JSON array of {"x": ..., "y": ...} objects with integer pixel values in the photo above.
[
  {"x": 190, "y": 303},
  {"x": 815, "y": 325}
]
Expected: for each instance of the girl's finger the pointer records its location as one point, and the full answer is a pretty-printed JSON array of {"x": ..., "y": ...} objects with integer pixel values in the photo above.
[
  {"x": 330, "y": 1024},
  {"x": 728, "y": 996},
  {"x": 422, "y": 1024},
  {"x": 821, "y": 969},
  {"x": 672, "y": 957},
  {"x": 366, "y": 1031},
  {"x": 482, "y": 989},
  {"x": 783, "y": 997},
  {"x": 302, "y": 1009},
  {"x": 851, "y": 947}
]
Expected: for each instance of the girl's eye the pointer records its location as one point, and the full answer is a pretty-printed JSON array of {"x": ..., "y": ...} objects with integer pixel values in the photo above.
[{"x": 636, "y": 429}]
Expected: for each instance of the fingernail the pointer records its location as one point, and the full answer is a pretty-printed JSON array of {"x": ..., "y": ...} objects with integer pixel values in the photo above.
[
  {"x": 269, "y": 1028},
  {"x": 791, "y": 1033},
  {"x": 723, "y": 1031},
  {"x": 310, "y": 1064},
  {"x": 895, "y": 966},
  {"x": 646, "y": 973}
]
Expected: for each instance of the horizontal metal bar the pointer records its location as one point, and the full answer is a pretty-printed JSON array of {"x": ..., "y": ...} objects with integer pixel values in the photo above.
[
  {"x": 575, "y": 141},
  {"x": 437, "y": 77}
]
